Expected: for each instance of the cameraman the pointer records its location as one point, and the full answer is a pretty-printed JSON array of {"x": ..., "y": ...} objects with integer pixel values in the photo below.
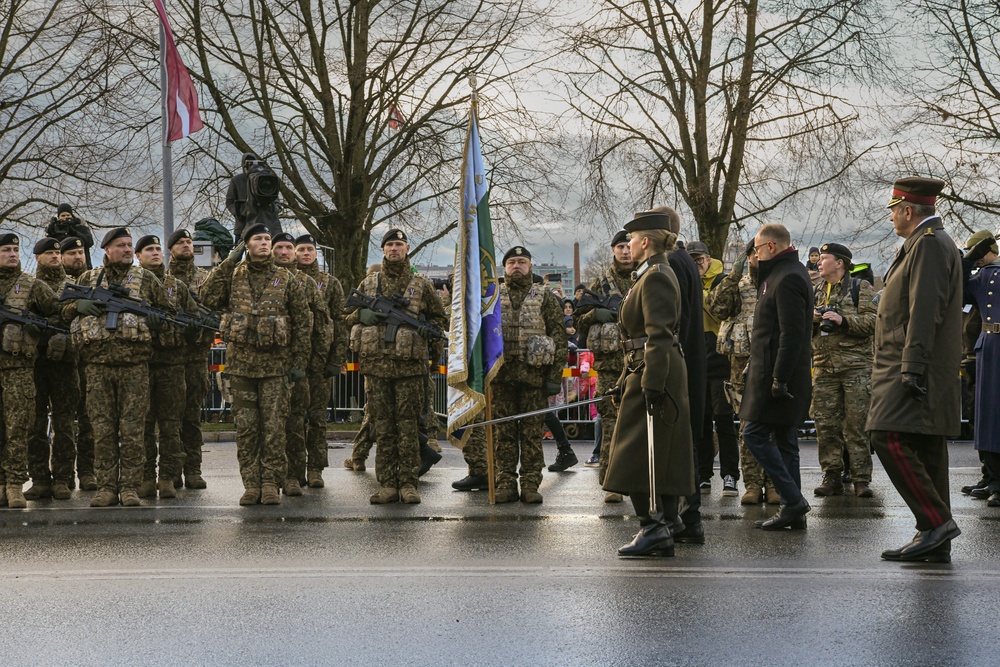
[
  {"x": 843, "y": 328},
  {"x": 65, "y": 224},
  {"x": 253, "y": 197}
]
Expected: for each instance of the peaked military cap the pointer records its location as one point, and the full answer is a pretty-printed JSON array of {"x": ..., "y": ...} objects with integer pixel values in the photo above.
[
  {"x": 394, "y": 235},
  {"x": 283, "y": 237},
  {"x": 116, "y": 233},
  {"x": 697, "y": 248},
  {"x": 647, "y": 220},
  {"x": 254, "y": 230},
  {"x": 146, "y": 241},
  {"x": 516, "y": 251},
  {"x": 981, "y": 236},
  {"x": 177, "y": 236},
  {"x": 70, "y": 243},
  {"x": 620, "y": 237},
  {"x": 46, "y": 244},
  {"x": 837, "y": 250},
  {"x": 916, "y": 190},
  {"x": 9, "y": 238},
  {"x": 305, "y": 239}
]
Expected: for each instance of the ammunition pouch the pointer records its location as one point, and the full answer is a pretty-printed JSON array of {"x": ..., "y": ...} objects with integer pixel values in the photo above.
[
  {"x": 604, "y": 338},
  {"x": 539, "y": 351},
  {"x": 17, "y": 340}
]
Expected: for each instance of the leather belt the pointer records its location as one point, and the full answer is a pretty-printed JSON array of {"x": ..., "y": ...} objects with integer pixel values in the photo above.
[
  {"x": 634, "y": 344},
  {"x": 991, "y": 327}
]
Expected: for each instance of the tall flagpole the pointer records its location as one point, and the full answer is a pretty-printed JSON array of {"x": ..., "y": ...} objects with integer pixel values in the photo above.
[{"x": 168, "y": 176}]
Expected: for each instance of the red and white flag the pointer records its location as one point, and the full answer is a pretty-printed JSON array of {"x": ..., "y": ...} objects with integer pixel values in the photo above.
[
  {"x": 396, "y": 119},
  {"x": 182, "y": 98}
]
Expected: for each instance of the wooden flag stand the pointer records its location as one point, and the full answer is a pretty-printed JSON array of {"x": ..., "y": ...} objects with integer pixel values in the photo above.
[{"x": 490, "y": 465}]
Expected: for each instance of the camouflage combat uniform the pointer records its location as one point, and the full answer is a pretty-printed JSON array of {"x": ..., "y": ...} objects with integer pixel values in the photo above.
[
  {"x": 265, "y": 324},
  {"x": 196, "y": 355},
  {"x": 18, "y": 351},
  {"x": 167, "y": 387},
  {"x": 395, "y": 372},
  {"x": 117, "y": 373},
  {"x": 56, "y": 393},
  {"x": 534, "y": 341},
  {"x": 332, "y": 294},
  {"x": 732, "y": 301},
  {"x": 604, "y": 341},
  {"x": 842, "y": 370},
  {"x": 84, "y": 429}
]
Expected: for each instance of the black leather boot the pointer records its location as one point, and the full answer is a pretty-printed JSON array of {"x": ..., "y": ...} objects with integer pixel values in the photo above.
[{"x": 653, "y": 538}]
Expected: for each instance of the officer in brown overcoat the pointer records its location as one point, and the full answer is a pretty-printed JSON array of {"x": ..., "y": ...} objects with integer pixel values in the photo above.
[
  {"x": 654, "y": 382},
  {"x": 916, "y": 388}
]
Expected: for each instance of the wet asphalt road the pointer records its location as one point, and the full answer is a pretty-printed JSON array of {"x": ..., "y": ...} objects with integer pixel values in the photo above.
[{"x": 328, "y": 579}]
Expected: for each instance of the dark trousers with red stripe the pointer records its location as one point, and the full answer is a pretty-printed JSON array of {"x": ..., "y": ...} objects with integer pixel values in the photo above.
[{"x": 917, "y": 465}]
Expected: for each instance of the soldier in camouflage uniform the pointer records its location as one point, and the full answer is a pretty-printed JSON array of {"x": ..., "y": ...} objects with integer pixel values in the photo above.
[
  {"x": 74, "y": 262},
  {"x": 167, "y": 392},
  {"x": 843, "y": 329},
  {"x": 56, "y": 393},
  {"x": 196, "y": 355},
  {"x": 535, "y": 348},
  {"x": 117, "y": 369},
  {"x": 18, "y": 351},
  {"x": 326, "y": 364},
  {"x": 732, "y": 301},
  {"x": 283, "y": 252},
  {"x": 395, "y": 372},
  {"x": 265, "y": 323},
  {"x": 599, "y": 328}
]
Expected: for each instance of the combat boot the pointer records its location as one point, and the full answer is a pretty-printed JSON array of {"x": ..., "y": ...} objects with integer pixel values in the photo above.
[
  {"x": 129, "y": 498},
  {"x": 471, "y": 483},
  {"x": 61, "y": 491},
  {"x": 166, "y": 488},
  {"x": 754, "y": 495},
  {"x": 832, "y": 485},
  {"x": 250, "y": 497},
  {"x": 269, "y": 494},
  {"x": 292, "y": 487},
  {"x": 15, "y": 497},
  {"x": 385, "y": 495},
  {"x": 88, "y": 483},
  {"x": 653, "y": 538},
  {"x": 505, "y": 495},
  {"x": 772, "y": 495},
  {"x": 147, "y": 489},
  {"x": 428, "y": 458},
  {"x": 104, "y": 498},
  {"x": 530, "y": 495},
  {"x": 612, "y": 497},
  {"x": 862, "y": 490},
  {"x": 315, "y": 479},
  {"x": 195, "y": 481},
  {"x": 37, "y": 491},
  {"x": 409, "y": 495},
  {"x": 566, "y": 458}
]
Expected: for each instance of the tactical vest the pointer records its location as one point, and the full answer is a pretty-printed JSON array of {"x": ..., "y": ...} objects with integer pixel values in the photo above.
[
  {"x": 524, "y": 335},
  {"x": 16, "y": 338},
  {"x": 131, "y": 327},
  {"x": 605, "y": 338},
  {"x": 303, "y": 281},
  {"x": 169, "y": 336},
  {"x": 734, "y": 334},
  {"x": 370, "y": 343},
  {"x": 264, "y": 323}
]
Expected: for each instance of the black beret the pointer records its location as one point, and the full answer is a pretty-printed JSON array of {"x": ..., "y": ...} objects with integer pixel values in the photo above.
[
  {"x": 394, "y": 235},
  {"x": 283, "y": 237},
  {"x": 177, "y": 236},
  {"x": 646, "y": 220},
  {"x": 148, "y": 240},
  {"x": 70, "y": 243},
  {"x": 752, "y": 246},
  {"x": 116, "y": 233},
  {"x": 837, "y": 250},
  {"x": 64, "y": 208},
  {"x": 46, "y": 244},
  {"x": 305, "y": 239},
  {"x": 9, "y": 238},
  {"x": 516, "y": 251},
  {"x": 916, "y": 190},
  {"x": 620, "y": 237},
  {"x": 254, "y": 230}
]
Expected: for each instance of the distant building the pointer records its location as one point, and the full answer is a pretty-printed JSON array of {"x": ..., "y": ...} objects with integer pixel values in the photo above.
[
  {"x": 565, "y": 275},
  {"x": 432, "y": 271}
]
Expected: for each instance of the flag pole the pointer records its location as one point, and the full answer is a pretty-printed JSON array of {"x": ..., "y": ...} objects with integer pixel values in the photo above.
[{"x": 168, "y": 176}]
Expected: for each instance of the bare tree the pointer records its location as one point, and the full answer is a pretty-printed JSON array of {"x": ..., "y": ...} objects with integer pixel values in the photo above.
[
  {"x": 728, "y": 108},
  {"x": 597, "y": 265}
]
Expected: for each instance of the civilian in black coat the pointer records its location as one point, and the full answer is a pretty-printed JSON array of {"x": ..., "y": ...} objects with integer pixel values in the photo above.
[{"x": 779, "y": 386}]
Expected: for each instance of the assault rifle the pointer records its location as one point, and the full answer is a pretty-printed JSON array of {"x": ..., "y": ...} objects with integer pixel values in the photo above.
[
  {"x": 394, "y": 310},
  {"x": 592, "y": 300},
  {"x": 203, "y": 318},
  {"x": 117, "y": 300},
  {"x": 24, "y": 317}
]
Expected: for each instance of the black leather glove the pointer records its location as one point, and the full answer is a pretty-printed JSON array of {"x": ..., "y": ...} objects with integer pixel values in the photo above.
[
  {"x": 237, "y": 253},
  {"x": 604, "y": 315},
  {"x": 154, "y": 322},
  {"x": 331, "y": 370},
  {"x": 369, "y": 317},
  {"x": 89, "y": 307},
  {"x": 780, "y": 389},
  {"x": 296, "y": 374},
  {"x": 980, "y": 250},
  {"x": 616, "y": 395},
  {"x": 552, "y": 388},
  {"x": 911, "y": 383},
  {"x": 653, "y": 398}
]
